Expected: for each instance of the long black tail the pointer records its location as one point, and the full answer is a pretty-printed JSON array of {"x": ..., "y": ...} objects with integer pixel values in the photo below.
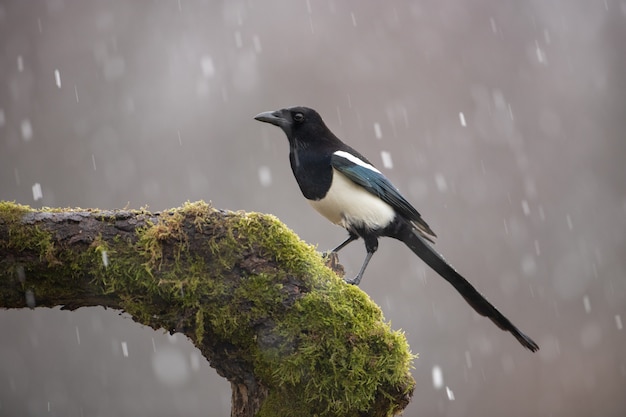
[{"x": 407, "y": 234}]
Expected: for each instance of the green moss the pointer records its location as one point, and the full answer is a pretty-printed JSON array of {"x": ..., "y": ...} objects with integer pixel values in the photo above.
[
  {"x": 330, "y": 352},
  {"x": 273, "y": 240},
  {"x": 345, "y": 356},
  {"x": 26, "y": 238},
  {"x": 322, "y": 347}
]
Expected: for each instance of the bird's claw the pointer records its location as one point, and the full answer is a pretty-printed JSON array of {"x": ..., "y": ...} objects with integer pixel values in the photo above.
[{"x": 332, "y": 261}]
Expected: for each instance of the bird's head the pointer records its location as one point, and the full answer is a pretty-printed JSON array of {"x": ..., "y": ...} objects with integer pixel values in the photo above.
[{"x": 301, "y": 124}]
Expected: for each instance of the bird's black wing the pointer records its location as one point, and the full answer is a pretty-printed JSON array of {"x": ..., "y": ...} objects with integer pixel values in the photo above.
[{"x": 362, "y": 172}]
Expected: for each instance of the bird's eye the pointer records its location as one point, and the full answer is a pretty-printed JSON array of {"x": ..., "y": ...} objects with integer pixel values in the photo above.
[{"x": 298, "y": 117}]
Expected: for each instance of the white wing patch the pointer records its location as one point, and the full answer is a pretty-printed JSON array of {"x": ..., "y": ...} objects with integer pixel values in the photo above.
[{"x": 355, "y": 160}]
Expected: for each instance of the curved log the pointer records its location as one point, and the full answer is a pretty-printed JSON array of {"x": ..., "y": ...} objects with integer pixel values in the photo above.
[{"x": 290, "y": 336}]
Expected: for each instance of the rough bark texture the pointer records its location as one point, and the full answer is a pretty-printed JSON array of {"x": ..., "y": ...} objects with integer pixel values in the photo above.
[{"x": 288, "y": 334}]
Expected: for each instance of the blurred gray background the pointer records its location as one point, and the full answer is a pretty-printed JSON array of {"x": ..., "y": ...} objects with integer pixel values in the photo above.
[{"x": 502, "y": 121}]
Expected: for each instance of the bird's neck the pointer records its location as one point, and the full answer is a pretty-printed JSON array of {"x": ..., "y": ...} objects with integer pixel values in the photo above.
[{"x": 312, "y": 170}]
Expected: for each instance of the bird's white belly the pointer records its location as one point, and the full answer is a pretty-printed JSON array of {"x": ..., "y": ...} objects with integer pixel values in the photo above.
[{"x": 348, "y": 204}]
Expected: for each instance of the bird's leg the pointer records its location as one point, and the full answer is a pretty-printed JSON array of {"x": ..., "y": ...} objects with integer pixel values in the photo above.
[
  {"x": 350, "y": 238},
  {"x": 371, "y": 245},
  {"x": 333, "y": 252}
]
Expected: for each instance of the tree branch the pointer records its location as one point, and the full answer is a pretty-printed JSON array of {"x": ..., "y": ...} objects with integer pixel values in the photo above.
[{"x": 289, "y": 335}]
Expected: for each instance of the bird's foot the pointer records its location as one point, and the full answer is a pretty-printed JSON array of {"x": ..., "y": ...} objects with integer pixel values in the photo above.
[
  {"x": 332, "y": 262},
  {"x": 352, "y": 281}
]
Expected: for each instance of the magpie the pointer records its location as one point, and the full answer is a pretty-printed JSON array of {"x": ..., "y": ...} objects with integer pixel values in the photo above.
[{"x": 346, "y": 188}]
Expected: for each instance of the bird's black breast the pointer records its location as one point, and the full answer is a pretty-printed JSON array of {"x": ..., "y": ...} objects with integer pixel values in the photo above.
[{"x": 313, "y": 172}]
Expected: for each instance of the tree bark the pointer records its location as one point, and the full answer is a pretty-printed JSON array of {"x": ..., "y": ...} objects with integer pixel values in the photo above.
[{"x": 290, "y": 336}]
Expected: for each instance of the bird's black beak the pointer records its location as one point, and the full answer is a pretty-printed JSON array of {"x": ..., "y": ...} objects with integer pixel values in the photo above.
[{"x": 273, "y": 117}]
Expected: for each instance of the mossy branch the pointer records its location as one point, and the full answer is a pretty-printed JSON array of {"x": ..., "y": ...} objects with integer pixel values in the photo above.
[{"x": 259, "y": 303}]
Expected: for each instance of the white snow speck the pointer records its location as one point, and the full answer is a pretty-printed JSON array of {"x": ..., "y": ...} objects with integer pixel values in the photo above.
[
  {"x": 3, "y": 118},
  {"x": 76, "y": 92},
  {"x": 105, "y": 258},
  {"x": 57, "y": 77},
  {"x": 21, "y": 275},
  {"x": 265, "y": 176},
  {"x": 386, "y": 157},
  {"x": 353, "y": 17},
  {"x": 587, "y": 304},
  {"x": 498, "y": 99},
  {"x": 27, "y": 130},
  {"x": 37, "y": 193},
  {"x": 377, "y": 131},
  {"x": 30, "y": 299},
  {"x": 462, "y": 119},
  {"x": 437, "y": 377},
  {"x": 537, "y": 248},
  {"x": 339, "y": 116},
  {"x": 93, "y": 161},
  {"x": 20, "y": 63},
  {"x": 450, "y": 394},
  {"x": 494, "y": 28},
  {"x": 256, "y": 41},
  {"x": 570, "y": 226},
  {"x": 468, "y": 359},
  {"x": 618, "y": 322},
  {"x": 125, "y": 349},
  {"x": 525, "y": 207},
  {"x": 405, "y": 117},
  {"x": 77, "y": 335},
  {"x": 208, "y": 69},
  {"x": 440, "y": 181},
  {"x": 541, "y": 55}
]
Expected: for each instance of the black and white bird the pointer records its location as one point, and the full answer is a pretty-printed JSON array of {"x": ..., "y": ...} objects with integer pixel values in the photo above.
[{"x": 346, "y": 188}]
